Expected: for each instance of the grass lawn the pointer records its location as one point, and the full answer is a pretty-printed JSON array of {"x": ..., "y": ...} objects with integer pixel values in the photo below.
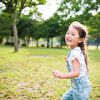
[{"x": 27, "y": 75}]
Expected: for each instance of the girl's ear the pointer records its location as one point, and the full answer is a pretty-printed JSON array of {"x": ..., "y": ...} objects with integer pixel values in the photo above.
[{"x": 81, "y": 40}]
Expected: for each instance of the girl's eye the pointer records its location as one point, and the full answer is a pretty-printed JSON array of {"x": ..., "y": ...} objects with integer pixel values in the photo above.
[
  {"x": 67, "y": 33},
  {"x": 73, "y": 34}
]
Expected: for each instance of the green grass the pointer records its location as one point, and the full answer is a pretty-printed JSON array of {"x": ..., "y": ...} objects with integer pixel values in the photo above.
[{"x": 27, "y": 75}]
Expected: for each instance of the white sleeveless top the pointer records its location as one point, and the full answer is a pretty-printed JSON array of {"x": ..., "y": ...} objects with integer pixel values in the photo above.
[{"x": 77, "y": 53}]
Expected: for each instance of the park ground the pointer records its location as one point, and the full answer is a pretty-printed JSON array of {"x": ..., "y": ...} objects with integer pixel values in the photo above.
[{"x": 27, "y": 75}]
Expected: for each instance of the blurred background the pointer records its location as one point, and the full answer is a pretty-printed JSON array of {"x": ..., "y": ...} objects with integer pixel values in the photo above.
[
  {"x": 32, "y": 45},
  {"x": 44, "y": 23}
]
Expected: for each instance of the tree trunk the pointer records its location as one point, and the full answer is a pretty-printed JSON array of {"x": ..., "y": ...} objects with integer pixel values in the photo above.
[
  {"x": 97, "y": 41},
  {"x": 1, "y": 40},
  {"x": 16, "y": 46},
  {"x": 37, "y": 43},
  {"x": 47, "y": 42},
  {"x": 51, "y": 42},
  {"x": 60, "y": 45},
  {"x": 27, "y": 41},
  {"x": 20, "y": 42}
]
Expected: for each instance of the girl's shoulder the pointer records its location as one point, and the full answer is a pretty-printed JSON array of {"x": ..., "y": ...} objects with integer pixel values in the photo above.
[
  {"x": 75, "y": 53},
  {"x": 76, "y": 50}
]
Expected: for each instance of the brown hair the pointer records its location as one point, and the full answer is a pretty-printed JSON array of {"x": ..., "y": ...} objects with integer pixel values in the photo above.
[{"x": 82, "y": 34}]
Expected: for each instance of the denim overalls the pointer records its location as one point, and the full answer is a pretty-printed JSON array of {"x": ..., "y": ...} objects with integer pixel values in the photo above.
[{"x": 80, "y": 88}]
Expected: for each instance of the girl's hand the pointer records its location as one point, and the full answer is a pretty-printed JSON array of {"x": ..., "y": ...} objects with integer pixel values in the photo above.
[{"x": 57, "y": 74}]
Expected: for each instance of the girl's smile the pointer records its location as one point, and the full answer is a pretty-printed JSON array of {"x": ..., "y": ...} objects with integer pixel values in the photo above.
[{"x": 72, "y": 37}]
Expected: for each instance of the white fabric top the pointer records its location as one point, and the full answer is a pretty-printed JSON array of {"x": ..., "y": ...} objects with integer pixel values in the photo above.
[{"x": 77, "y": 53}]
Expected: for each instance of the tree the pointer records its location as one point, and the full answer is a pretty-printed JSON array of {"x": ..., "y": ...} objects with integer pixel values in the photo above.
[
  {"x": 50, "y": 29},
  {"x": 94, "y": 28},
  {"x": 25, "y": 26},
  {"x": 14, "y": 8},
  {"x": 5, "y": 26},
  {"x": 77, "y": 10},
  {"x": 37, "y": 32}
]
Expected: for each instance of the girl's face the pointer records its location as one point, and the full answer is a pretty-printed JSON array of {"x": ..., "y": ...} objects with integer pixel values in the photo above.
[{"x": 72, "y": 37}]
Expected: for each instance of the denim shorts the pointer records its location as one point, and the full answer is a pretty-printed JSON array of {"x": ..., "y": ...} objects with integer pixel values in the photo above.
[{"x": 80, "y": 89}]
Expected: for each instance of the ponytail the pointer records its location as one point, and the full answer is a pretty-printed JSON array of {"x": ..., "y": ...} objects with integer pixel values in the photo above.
[{"x": 82, "y": 47}]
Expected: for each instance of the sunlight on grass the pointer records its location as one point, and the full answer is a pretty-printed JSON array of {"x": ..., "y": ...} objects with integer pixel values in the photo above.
[{"x": 27, "y": 75}]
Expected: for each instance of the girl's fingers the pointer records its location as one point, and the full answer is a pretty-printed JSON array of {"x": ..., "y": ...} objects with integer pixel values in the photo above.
[{"x": 56, "y": 73}]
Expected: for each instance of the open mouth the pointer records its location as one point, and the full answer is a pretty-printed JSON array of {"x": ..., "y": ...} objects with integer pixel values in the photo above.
[{"x": 68, "y": 41}]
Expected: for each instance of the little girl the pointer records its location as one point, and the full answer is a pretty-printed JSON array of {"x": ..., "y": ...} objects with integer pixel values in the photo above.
[{"x": 76, "y": 64}]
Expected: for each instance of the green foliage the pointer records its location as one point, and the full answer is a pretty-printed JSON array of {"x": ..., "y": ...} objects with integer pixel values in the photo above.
[
  {"x": 5, "y": 25},
  {"x": 79, "y": 10},
  {"x": 14, "y": 8},
  {"x": 51, "y": 26},
  {"x": 24, "y": 27},
  {"x": 57, "y": 25},
  {"x": 95, "y": 25}
]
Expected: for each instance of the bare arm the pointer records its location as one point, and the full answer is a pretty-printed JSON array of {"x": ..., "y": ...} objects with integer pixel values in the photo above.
[{"x": 73, "y": 74}]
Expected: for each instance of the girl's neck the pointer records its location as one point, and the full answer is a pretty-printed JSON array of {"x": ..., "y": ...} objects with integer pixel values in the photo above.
[{"x": 73, "y": 47}]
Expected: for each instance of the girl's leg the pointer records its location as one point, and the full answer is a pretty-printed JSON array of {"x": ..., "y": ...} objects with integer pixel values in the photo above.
[
  {"x": 68, "y": 95},
  {"x": 87, "y": 92},
  {"x": 82, "y": 95}
]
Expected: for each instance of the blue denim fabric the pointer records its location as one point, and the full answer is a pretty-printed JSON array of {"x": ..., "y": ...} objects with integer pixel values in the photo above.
[{"x": 80, "y": 90}]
